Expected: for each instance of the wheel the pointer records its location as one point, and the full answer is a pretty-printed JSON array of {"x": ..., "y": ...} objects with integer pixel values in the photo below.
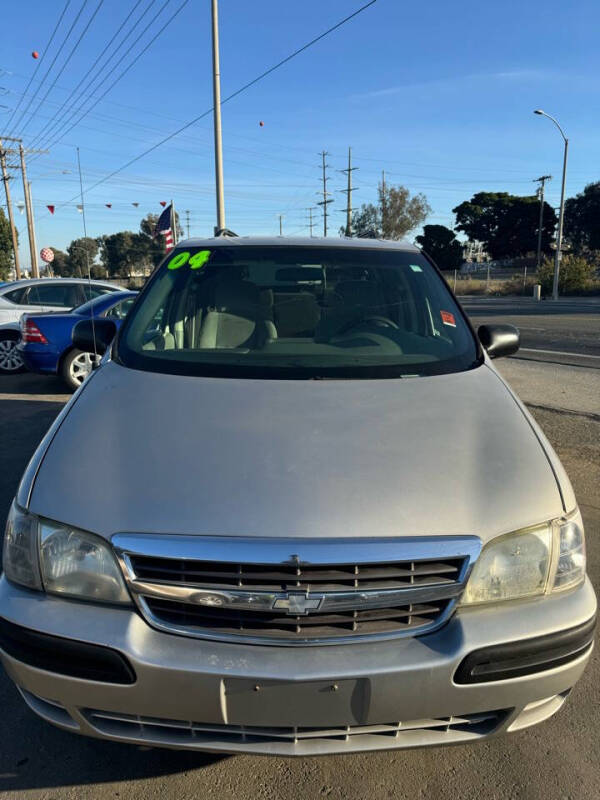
[
  {"x": 76, "y": 366},
  {"x": 10, "y": 358}
]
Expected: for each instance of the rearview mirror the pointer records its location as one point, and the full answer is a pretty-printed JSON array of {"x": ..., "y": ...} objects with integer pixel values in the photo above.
[
  {"x": 94, "y": 336},
  {"x": 499, "y": 340}
]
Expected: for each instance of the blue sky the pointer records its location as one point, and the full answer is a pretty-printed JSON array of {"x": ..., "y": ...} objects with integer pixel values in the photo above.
[{"x": 438, "y": 94}]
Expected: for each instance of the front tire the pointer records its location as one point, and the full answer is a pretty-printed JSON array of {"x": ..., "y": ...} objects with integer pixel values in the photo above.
[
  {"x": 10, "y": 359},
  {"x": 76, "y": 366}
]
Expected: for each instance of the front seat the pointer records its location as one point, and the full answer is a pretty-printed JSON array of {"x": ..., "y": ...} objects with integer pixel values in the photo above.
[{"x": 236, "y": 318}]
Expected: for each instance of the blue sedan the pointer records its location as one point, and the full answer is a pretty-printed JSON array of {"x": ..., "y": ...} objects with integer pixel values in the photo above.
[{"x": 46, "y": 345}]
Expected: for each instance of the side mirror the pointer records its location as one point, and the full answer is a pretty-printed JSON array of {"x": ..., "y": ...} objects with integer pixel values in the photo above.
[
  {"x": 94, "y": 336},
  {"x": 499, "y": 340}
]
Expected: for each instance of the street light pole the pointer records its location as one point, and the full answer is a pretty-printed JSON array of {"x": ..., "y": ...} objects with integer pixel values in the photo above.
[
  {"x": 561, "y": 215},
  {"x": 217, "y": 119}
]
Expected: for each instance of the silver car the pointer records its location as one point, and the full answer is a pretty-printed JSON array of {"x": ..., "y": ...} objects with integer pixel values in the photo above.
[
  {"x": 34, "y": 296},
  {"x": 295, "y": 511}
]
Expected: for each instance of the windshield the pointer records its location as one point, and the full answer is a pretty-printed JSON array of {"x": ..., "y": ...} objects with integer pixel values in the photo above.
[{"x": 296, "y": 312}]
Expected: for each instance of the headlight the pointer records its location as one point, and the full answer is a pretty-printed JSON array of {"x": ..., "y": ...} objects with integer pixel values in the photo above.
[
  {"x": 530, "y": 562},
  {"x": 60, "y": 559}
]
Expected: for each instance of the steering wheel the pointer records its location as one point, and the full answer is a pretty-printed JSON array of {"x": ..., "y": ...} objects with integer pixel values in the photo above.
[{"x": 380, "y": 321}]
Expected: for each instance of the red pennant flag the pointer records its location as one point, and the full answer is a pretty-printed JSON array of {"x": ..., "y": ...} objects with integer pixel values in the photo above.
[
  {"x": 108, "y": 205},
  {"x": 163, "y": 203},
  {"x": 135, "y": 204},
  {"x": 51, "y": 209}
]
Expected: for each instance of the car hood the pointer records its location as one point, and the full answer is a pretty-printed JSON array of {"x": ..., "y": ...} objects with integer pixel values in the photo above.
[{"x": 145, "y": 452}]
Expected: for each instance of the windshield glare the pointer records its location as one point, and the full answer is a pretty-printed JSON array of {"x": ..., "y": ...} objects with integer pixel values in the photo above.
[{"x": 295, "y": 311}]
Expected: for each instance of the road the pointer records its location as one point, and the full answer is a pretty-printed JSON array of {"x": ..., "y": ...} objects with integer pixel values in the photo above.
[
  {"x": 567, "y": 331},
  {"x": 558, "y": 760}
]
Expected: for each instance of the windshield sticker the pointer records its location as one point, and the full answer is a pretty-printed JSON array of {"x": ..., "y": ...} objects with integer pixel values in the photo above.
[
  {"x": 448, "y": 318},
  {"x": 178, "y": 261},
  {"x": 199, "y": 259},
  {"x": 416, "y": 268}
]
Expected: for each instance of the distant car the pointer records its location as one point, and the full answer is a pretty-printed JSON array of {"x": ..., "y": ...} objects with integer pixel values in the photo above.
[
  {"x": 38, "y": 295},
  {"x": 46, "y": 346}
]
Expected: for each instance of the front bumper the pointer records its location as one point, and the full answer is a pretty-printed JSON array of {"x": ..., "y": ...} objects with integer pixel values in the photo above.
[{"x": 218, "y": 696}]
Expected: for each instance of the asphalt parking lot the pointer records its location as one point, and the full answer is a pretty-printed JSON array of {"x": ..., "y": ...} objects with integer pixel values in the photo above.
[{"x": 558, "y": 759}]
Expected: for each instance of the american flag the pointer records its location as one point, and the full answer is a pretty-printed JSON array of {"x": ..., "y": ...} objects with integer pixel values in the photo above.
[{"x": 164, "y": 226}]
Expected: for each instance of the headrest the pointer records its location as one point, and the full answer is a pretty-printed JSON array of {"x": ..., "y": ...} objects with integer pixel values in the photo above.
[
  {"x": 360, "y": 293},
  {"x": 236, "y": 294}
]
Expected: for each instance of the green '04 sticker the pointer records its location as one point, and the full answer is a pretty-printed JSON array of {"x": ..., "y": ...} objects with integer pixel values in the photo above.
[
  {"x": 199, "y": 259},
  {"x": 196, "y": 261},
  {"x": 178, "y": 261}
]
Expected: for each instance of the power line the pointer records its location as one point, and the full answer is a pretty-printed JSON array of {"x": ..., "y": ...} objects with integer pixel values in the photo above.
[
  {"x": 165, "y": 25},
  {"x": 69, "y": 57},
  {"x": 61, "y": 124},
  {"x": 49, "y": 125},
  {"x": 230, "y": 97},
  {"x": 39, "y": 63},
  {"x": 49, "y": 70}
]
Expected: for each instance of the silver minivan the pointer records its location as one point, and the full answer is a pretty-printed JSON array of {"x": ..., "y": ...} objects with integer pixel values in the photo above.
[{"x": 296, "y": 510}]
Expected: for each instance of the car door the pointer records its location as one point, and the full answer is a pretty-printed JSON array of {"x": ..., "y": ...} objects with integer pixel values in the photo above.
[
  {"x": 53, "y": 296},
  {"x": 92, "y": 291},
  {"x": 12, "y": 305}
]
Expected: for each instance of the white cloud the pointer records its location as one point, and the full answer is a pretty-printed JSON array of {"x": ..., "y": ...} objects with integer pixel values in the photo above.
[{"x": 458, "y": 80}]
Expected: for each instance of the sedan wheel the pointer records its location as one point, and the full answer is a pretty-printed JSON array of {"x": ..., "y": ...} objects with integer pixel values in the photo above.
[
  {"x": 77, "y": 366},
  {"x": 10, "y": 358}
]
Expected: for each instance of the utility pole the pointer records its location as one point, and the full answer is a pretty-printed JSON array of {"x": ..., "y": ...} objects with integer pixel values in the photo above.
[
  {"x": 383, "y": 208},
  {"x": 281, "y": 224},
  {"x": 11, "y": 221},
  {"x": 311, "y": 224},
  {"x": 542, "y": 180},
  {"x": 187, "y": 223},
  {"x": 326, "y": 198},
  {"x": 348, "y": 192},
  {"x": 27, "y": 197},
  {"x": 34, "y": 262},
  {"x": 33, "y": 239},
  {"x": 217, "y": 120}
]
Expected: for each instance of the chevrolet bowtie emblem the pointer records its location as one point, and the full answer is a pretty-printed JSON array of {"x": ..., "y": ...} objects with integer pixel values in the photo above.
[{"x": 298, "y": 603}]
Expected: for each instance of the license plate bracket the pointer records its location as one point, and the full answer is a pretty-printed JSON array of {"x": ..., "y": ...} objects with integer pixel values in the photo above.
[{"x": 272, "y": 703}]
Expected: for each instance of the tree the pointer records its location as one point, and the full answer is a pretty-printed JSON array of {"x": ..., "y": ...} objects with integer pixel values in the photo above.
[
  {"x": 394, "y": 216},
  {"x": 442, "y": 245},
  {"x": 582, "y": 219},
  {"x": 506, "y": 224},
  {"x": 119, "y": 253},
  {"x": 81, "y": 253},
  {"x": 60, "y": 265},
  {"x": 575, "y": 274},
  {"x": 6, "y": 248}
]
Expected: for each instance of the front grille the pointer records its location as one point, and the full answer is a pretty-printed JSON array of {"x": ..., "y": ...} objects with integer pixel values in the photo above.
[
  {"x": 295, "y": 592},
  {"x": 231, "y": 622},
  {"x": 296, "y": 740},
  {"x": 280, "y": 577}
]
